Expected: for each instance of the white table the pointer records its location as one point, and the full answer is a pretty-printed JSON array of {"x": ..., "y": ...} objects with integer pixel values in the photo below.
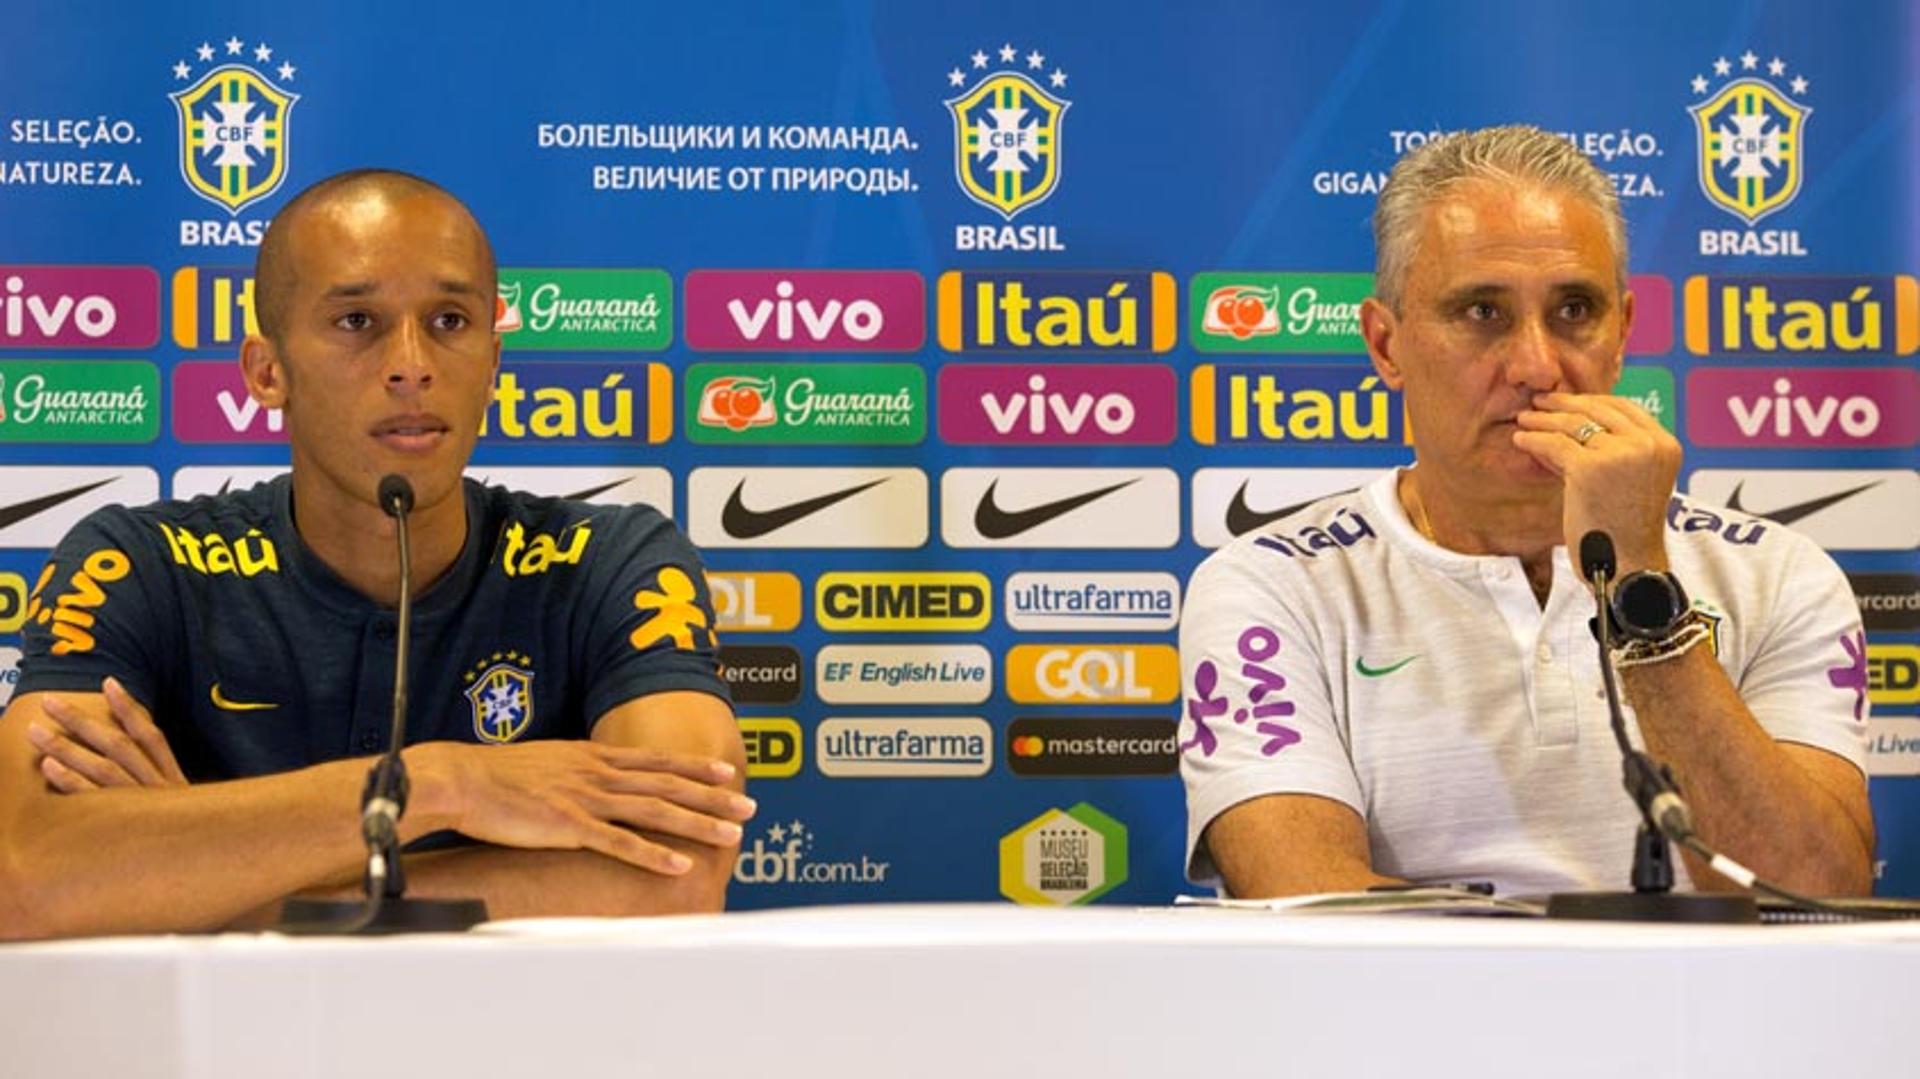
[{"x": 994, "y": 992}]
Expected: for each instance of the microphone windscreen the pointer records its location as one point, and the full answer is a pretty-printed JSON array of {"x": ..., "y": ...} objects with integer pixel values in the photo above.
[
  {"x": 396, "y": 494},
  {"x": 1596, "y": 555}
]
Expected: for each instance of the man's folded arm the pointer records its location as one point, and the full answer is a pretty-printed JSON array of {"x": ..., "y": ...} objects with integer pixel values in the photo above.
[
  {"x": 133, "y": 858},
  {"x": 1291, "y": 844},
  {"x": 525, "y": 883},
  {"x": 136, "y": 859}
]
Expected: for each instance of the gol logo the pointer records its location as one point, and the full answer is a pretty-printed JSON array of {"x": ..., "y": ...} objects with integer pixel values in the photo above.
[
  {"x": 755, "y": 602},
  {"x": 1093, "y": 674},
  {"x": 71, "y": 616},
  {"x": 773, "y": 746},
  {"x": 13, "y": 602}
]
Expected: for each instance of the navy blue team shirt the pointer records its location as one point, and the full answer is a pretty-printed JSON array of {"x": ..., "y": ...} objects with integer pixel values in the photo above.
[{"x": 256, "y": 658}]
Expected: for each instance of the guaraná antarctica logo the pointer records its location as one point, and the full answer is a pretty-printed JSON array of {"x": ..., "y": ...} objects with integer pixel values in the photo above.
[
  {"x": 1751, "y": 132},
  {"x": 234, "y": 122},
  {"x": 1063, "y": 857}
]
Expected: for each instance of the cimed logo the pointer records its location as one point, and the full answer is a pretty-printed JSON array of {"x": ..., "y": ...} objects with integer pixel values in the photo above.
[
  {"x": 1006, "y": 130},
  {"x": 1752, "y": 137},
  {"x": 234, "y": 124}
]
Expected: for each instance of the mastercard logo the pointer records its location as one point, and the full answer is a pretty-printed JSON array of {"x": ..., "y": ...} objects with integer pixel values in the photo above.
[{"x": 1029, "y": 746}]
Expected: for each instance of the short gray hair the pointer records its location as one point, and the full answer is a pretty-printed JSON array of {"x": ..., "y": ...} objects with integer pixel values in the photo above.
[{"x": 1515, "y": 153}]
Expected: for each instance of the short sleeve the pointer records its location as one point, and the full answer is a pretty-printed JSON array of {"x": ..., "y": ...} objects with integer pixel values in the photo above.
[
  {"x": 100, "y": 607},
  {"x": 1807, "y": 680},
  {"x": 651, "y": 630},
  {"x": 1258, "y": 715}
]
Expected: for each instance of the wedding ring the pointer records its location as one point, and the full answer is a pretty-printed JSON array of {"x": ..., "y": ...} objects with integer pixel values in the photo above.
[{"x": 1587, "y": 431}]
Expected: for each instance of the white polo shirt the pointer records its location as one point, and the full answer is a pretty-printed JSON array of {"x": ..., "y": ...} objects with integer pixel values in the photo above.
[{"x": 1340, "y": 653}]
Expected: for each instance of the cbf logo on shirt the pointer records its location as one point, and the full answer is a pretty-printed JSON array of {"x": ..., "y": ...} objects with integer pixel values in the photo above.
[
  {"x": 234, "y": 124},
  {"x": 500, "y": 694}
]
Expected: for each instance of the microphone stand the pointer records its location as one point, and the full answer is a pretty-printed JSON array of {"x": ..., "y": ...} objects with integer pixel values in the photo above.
[
  {"x": 386, "y": 908},
  {"x": 1663, "y": 815}
]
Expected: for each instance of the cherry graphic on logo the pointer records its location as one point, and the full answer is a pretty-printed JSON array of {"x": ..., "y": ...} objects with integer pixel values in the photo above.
[
  {"x": 736, "y": 402},
  {"x": 1241, "y": 314},
  {"x": 1247, "y": 313},
  {"x": 740, "y": 406}
]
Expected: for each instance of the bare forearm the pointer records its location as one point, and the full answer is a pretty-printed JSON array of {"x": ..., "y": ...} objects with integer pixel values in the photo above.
[
  {"x": 133, "y": 860},
  {"x": 1291, "y": 845},
  {"x": 1749, "y": 798},
  {"x": 549, "y": 883}
]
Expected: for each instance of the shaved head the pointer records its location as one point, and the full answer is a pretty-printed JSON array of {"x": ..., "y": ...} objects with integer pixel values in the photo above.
[{"x": 274, "y": 276}]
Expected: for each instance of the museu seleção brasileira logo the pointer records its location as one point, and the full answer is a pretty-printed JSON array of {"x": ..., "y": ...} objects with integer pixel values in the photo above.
[{"x": 234, "y": 122}]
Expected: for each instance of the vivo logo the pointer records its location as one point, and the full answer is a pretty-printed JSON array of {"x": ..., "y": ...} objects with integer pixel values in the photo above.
[
  {"x": 211, "y": 404},
  {"x": 860, "y": 320},
  {"x": 1804, "y": 407},
  {"x": 880, "y": 310},
  {"x": 85, "y": 306},
  {"x": 1112, "y": 404}
]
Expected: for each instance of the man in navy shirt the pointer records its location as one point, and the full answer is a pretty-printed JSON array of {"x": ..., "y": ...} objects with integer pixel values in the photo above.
[{"x": 200, "y": 676}]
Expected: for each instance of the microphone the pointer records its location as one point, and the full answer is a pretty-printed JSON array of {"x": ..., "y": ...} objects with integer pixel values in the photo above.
[
  {"x": 396, "y": 497},
  {"x": 1596, "y": 556},
  {"x": 384, "y": 800},
  {"x": 1664, "y": 814}
]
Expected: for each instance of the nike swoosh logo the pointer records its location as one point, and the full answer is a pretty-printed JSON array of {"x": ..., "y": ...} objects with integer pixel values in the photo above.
[
  {"x": 1242, "y": 518},
  {"x": 20, "y": 511},
  {"x": 993, "y": 522},
  {"x": 582, "y": 496},
  {"x": 1786, "y": 515},
  {"x": 1376, "y": 672},
  {"x": 221, "y": 702},
  {"x": 742, "y": 523}
]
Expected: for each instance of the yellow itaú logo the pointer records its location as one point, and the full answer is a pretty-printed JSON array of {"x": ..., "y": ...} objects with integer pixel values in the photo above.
[{"x": 233, "y": 135}]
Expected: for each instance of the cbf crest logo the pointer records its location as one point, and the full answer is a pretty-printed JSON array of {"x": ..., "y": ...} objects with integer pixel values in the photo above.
[
  {"x": 1007, "y": 130},
  {"x": 1752, "y": 137},
  {"x": 234, "y": 124},
  {"x": 500, "y": 693}
]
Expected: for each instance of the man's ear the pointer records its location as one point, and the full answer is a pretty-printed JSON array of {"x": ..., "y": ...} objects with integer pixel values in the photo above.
[
  {"x": 266, "y": 375},
  {"x": 1379, "y": 327}
]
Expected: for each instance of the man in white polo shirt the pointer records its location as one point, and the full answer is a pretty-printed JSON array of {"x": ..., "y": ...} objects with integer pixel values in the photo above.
[{"x": 1400, "y": 683}]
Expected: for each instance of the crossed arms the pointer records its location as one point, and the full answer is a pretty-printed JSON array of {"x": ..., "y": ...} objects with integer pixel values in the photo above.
[{"x": 99, "y": 832}]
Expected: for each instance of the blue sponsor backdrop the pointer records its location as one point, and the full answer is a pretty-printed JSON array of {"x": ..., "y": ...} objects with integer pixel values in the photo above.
[{"x": 1131, "y": 137}]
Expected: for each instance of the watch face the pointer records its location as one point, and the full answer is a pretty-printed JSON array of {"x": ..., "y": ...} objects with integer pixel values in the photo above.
[{"x": 1648, "y": 604}]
